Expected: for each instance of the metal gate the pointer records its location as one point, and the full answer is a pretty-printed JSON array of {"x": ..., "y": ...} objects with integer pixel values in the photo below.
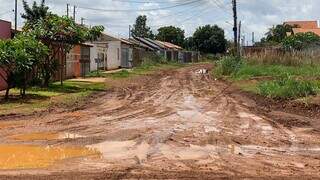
[{"x": 126, "y": 57}]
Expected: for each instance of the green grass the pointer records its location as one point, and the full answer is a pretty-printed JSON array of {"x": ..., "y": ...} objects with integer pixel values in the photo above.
[
  {"x": 288, "y": 88},
  {"x": 40, "y": 99},
  {"x": 250, "y": 71},
  {"x": 273, "y": 81},
  {"x": 228, "y": 66}
]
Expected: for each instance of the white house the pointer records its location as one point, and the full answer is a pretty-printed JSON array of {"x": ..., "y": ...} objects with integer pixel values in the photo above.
[{"x": 105, "y": 53}]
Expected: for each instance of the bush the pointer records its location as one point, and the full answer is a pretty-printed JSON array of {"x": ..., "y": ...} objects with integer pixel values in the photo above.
[
  {"x": 228, "y": 66},
  {"x": 153, "y": 59},
  {"x": 287, "y": 88}
]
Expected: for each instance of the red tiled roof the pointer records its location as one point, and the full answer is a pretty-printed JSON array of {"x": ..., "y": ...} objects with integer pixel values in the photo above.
[
  {"x": 304, "y": 24},
  {"x": 301, "y": 30}
]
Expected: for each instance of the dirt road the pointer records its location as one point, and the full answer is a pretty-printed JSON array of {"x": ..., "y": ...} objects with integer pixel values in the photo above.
[{"x": 173, "y": 124}]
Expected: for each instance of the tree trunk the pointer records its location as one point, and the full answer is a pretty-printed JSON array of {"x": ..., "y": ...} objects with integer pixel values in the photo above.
[{"x": 7, "y": 93}]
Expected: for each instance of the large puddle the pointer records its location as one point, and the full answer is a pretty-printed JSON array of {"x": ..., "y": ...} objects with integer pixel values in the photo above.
[
  {"x": 44, "y": 136},
  {"x": 29, "y": 156}
]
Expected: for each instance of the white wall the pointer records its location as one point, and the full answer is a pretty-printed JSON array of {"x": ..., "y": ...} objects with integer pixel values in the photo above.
[
  {"x": 93, "y": 56},
  {"x": 114, "y": 55}
]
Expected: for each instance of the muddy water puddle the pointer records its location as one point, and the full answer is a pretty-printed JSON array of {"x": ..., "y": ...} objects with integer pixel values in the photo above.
[
  {"x": 44, "y": 136},
  {"x": 30, "y": 156}
]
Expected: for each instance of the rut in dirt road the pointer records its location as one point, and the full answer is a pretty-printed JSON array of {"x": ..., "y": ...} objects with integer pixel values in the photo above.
[{"x": 181, "y": 123}]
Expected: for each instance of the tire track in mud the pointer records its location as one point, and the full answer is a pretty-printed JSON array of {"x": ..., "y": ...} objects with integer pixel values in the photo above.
[{"x": 184, "y": 122}]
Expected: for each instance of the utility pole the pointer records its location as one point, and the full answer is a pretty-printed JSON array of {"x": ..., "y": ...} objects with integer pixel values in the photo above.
[
  {"x": 253, "y": 38},
  {"x": 68, "y": 10},
  {"x": 82, "y": 21},
  {"x": 239, "y": 43},
  {"x": 235, "y": 24},
  {"x": 15, "y": 16},
  {"x": 74, "y": 13}
]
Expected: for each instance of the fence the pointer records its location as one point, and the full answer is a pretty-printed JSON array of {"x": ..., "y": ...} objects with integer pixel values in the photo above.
[{"x": 271, "y": 55}]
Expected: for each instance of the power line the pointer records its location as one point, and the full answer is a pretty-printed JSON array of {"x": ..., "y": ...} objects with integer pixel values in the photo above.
[
  {"x": 141, "y": 2},
  {"x": 140, "y": 10}
]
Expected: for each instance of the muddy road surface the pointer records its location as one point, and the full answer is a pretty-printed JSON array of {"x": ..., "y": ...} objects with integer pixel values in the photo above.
[{"x": 173, "y": 124}]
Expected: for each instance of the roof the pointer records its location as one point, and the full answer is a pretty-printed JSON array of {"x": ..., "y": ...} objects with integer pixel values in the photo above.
[
  {"x": 107, "y": 37},
  {"x": 155, "y": 42},
  {"x": 87, "y": 44},
  {"x": 170, "y": 45},
  {"x": 126, "y": 41},
  {"x": 148, "y": 43},
  {"x": 301, "y": 30},
  {"x": 304, "y": 24},
  {"x": 138, "y": 43}
]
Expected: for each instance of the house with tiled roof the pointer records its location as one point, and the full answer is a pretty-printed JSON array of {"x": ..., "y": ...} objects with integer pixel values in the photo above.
[{"x": 305, "y": 26}]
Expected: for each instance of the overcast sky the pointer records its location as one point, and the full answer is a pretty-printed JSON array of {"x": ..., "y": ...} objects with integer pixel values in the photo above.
[{"x": 256, "y": 15}]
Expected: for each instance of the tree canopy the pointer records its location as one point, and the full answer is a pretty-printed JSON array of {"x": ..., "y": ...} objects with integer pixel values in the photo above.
[
  {"x": 210, "y": 39},
  {"x": 140, "y": 28},
  {"x": 171, "y": 34},
  {"x": 58, "y": 33},
  {"x": 300, "y": 41},
  {"x": 35, "y": 12},
  {"x": 18, "y": 58},
  {"x": 278, "y": 33}
]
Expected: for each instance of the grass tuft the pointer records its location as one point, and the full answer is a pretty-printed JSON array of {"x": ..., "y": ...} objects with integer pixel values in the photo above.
[
  {"x": 228, "y": 66},
  {"x": 287, "y": 88}
]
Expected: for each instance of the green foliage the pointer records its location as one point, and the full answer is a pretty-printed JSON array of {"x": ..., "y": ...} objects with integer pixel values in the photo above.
[
  {"x": 189, "y": 44},
  {"x": 54, "y": 29},
  {"x": 18, "y": 58},
  {"x": 287, "y": 88},
  {"x": 171, "y": 34},
  {"x": 210, "y": 39},
  {"x": 278, "y": 33},
  {"x": 228, "y": 66},
  {"x": 58, "y": 33},
  {"x": 36, "y": 12},
  {"x": 152, "y": 59},
  {"x": 300, "y": 41},
  {"x": 248, "y": 71},
  {"x": 140, "y": 28}
]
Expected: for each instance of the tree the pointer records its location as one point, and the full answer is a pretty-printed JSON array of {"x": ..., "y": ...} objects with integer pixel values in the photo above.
[
  {"x": 300, "y": 41},
  {"x": 189, "y": 43},
  {"x": 19, "y": 58},
  {"x": 58, "y": 33},
  {"x": 171, "y": 34},
  {"x": 36, "y": 12},
  {"x": 140, "y": 28},
  {"x": 278, "y": 33},
  {"x": 210, "y": 39}
]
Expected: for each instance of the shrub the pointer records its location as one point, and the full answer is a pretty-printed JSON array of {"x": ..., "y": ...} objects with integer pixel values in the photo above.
[
  {"x": 287, "y": 88},
  {"x": 228, "y": 66},
  {"x": 153, "y": 59}
]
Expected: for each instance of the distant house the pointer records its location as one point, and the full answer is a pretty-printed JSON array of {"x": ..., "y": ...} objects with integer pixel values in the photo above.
[
  {"x": 170, "y": 51},
  {"x": 78, "y": 61},
  {"x": 305, "y": 26},
  {"x": 105, "y": 53},
  {"x": 5, "y": 33}
]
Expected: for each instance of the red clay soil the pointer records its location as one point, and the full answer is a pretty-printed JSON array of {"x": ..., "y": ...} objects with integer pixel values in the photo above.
[{"x": 176, "y": 124}]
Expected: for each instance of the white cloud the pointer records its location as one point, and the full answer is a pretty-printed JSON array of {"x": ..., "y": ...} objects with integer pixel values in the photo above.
[{"x": 256, "y": 15}]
